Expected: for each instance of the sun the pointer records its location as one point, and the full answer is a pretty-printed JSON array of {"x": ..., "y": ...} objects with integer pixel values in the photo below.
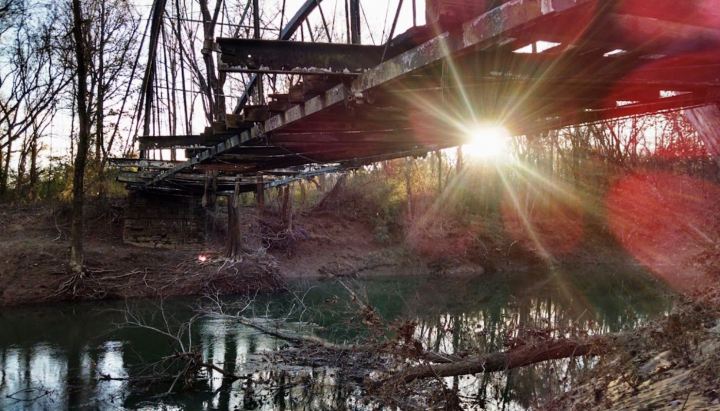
[{"x": 488, "y": 142}]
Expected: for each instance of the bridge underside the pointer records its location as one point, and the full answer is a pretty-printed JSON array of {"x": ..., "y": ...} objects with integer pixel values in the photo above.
[{"x": 534, "y": 65}]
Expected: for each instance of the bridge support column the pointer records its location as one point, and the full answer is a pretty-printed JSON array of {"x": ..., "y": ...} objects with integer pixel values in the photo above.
[
  {"x": 209, "y": 203},
  {"x": 164, "y": 221},
  {"x": 234, "y": 229},
  {"x": 260, "y": 195},
  {"x": 287, "y": 205}
]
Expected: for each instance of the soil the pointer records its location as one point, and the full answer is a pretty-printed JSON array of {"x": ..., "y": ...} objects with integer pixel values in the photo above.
[{"x": 34, "y": 251}]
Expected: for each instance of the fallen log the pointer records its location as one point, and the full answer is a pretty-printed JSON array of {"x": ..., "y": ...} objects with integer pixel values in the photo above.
[{"x": 501, "y": 361}]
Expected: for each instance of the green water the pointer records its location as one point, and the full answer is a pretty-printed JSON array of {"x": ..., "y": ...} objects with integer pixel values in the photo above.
[{"x": 54, "y": 357}]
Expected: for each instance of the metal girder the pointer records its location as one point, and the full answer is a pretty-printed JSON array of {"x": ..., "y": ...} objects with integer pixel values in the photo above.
[
  {"x": 142, "y": 163},
  {"x": 355, "y": 26},
  {"x": 294, "y": 57},
  {"x": 664, "y": 105},
  {"x": 286, "y": 34},
  {"x": 207, "y": 154},
  {"x": 147, "y": 85},
  {"x": 189, "y": 141},
  {"x": 483, "y": 31}
]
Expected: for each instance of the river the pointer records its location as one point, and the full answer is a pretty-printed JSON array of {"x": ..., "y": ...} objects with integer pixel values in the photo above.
[{"x": 55, "y": 357}]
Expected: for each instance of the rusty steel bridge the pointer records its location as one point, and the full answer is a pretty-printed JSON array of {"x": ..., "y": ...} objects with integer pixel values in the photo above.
[{"x": 538, "y": 65}]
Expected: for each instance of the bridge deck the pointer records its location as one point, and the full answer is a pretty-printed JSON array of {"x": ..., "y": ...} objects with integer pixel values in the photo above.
[{"x": 535, "y": 64}]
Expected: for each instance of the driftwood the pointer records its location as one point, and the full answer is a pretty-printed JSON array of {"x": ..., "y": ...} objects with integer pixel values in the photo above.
[
  {"x": 299, "y": 340},
  {"x": 501, "y": 361}
]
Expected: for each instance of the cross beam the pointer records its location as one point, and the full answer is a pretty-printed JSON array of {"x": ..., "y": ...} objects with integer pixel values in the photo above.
[{"x": 295, "y": 57}]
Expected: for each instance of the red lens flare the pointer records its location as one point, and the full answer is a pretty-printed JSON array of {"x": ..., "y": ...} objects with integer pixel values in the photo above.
[
  {"x": 543, "y": 223},
  {"x": 662, "y": 220}
]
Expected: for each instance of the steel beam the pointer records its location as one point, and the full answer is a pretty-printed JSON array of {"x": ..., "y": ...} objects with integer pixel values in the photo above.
[
  {"x": 142, "y": 163},
  {"x": 147, "y": 85},
  {"x": 208, "y": 154},
  {"x": 286, "y": 34},
  {"x": 355, "y": 26},
  {"x": 294, "y": 57},
  {"x": 188, "y": 141}
]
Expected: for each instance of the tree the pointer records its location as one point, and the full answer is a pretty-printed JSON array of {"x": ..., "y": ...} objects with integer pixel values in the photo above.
[
  {"x": 31, "y": 82},
  {"x": 10, "y": 10},
  {"x": 112, "y": 35},
  {"x": 76, "y": 233}
]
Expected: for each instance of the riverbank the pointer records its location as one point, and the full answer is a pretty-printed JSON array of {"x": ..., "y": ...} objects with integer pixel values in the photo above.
[
  {"x": 34, "y": 246},
  {"x": 34, "y": 251},
  {"x": 671, "y": 363},
  {"x": 324, "y": 244}
]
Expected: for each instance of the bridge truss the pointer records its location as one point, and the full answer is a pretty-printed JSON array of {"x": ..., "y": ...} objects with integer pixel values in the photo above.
[{"x": 535, "y": 65}]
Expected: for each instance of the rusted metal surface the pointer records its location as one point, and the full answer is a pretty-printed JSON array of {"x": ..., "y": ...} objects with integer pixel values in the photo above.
[
  {"x": 446, "y": 13},
  {"x": 142, "y": 163},
  {"x": 294, "y": 57}
]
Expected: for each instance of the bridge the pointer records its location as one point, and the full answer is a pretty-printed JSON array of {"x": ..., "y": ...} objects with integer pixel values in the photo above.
[{"x": 534, "y": 65}]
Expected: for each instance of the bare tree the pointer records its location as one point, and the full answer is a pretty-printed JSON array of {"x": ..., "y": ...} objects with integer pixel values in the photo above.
[
  {"x": 76, "y": 235},
  {"x": 112, "y": 37},
  {"x": 31, "y": 82},
  {"x": 10, "y": 10}
]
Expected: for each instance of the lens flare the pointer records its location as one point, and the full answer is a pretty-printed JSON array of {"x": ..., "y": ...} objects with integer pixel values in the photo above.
[
  {"x": 488, "y": 142},
  {"x": 665, "y": 221}
]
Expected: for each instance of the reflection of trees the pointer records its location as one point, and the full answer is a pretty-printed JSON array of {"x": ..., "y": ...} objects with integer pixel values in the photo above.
[
  {"x": 463, "y": 315},
  {"x": 497, "y": 313}
]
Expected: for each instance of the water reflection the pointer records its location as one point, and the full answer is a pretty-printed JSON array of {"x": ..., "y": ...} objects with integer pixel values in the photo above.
[{"x": 74, "y": 357}]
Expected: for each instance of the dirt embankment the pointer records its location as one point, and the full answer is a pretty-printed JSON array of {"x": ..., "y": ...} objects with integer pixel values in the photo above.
[{"x": 34, "y": 250}]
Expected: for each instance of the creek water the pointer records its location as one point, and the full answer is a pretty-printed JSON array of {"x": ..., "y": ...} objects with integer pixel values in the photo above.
[{"x": 56, "y": 357}]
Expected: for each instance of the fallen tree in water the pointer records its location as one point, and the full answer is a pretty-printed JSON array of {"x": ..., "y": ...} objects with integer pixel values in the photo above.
[{"x": 507, "y": 360}]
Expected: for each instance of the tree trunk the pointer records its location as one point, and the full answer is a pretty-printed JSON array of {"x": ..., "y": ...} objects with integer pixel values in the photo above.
[
  {"x": 459, "y": 165},
  {"x": 439, "y": 171},
  {"x": 502, "y": 361},
  {"x": 21, "y": 168},
  {"x": 260, "y": 195},
  {"x": 303, "y": 194},
  {"x": 408, "y": 187},
  {"x": 286, "y": 207},
  {"x": 32, "y": 186},
  {"x": 214, "y": 93},
  {"x": 76, "y": 232},
  {"x": 6, "y": 169},
  {"x": 100, "y": 115},
  {"x": 2, "y": 171}
]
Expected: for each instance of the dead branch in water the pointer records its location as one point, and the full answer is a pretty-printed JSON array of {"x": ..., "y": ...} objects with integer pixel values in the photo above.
[{"x": 502, "y": 361}]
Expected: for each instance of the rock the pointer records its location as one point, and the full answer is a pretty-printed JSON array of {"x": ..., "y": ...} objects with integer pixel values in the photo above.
[
  {"x": 659, "y": 363},
  {"x": 709, "y": 347},
  {"x": 716, "y": 328}
]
